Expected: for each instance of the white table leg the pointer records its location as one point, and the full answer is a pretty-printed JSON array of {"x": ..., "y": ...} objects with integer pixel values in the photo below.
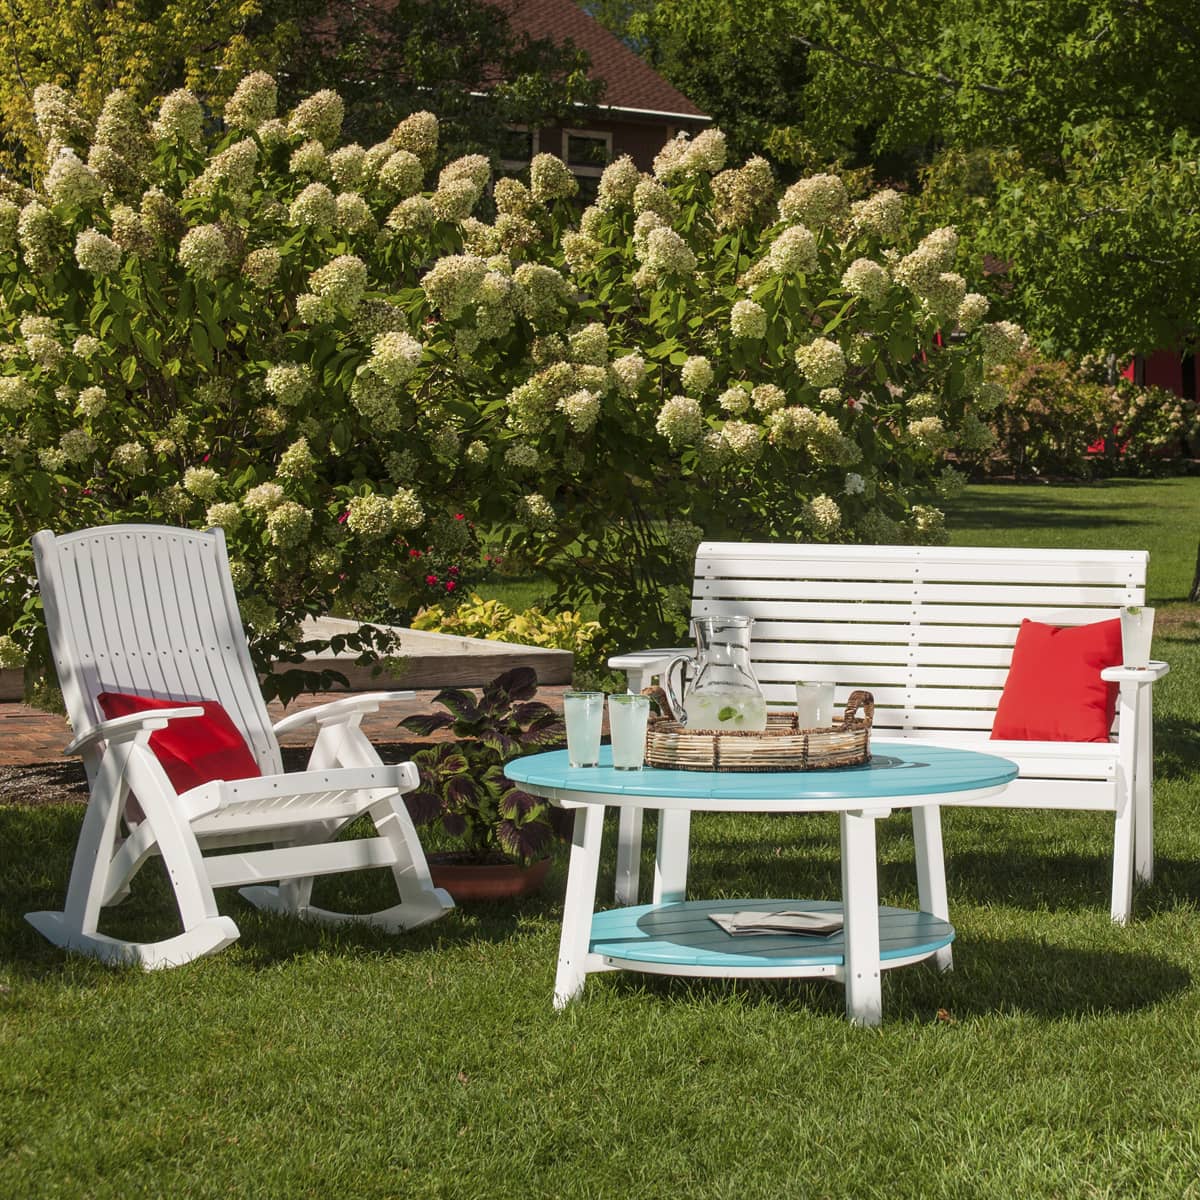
[
  {"x": 1143, "y": 792},
  {"x": 931, "y": 871},
  {"x": 671, "y": 859},
  {"x": 629, "y": 855},
  {"x": 573, "y": 945},
  {"x": 860, "y": 910}
]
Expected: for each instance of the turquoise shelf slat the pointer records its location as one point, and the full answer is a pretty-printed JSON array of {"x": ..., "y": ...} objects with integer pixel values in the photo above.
[{"x": 682, "y": 935}]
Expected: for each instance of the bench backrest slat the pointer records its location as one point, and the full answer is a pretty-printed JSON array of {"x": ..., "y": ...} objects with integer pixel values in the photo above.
[{"x": 929, "y": 630}]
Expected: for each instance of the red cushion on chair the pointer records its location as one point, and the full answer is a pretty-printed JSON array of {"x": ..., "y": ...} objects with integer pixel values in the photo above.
[
  {"x": 1054, "y": 692},
  {"x": 192, "y": 750}
]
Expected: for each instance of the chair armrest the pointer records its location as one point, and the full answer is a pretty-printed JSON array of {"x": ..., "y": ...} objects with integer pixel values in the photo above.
[
  {"x": 1138, "y": 675},
  {"x": 337, "y": 711},
  {"x": 642, "y": 665},
  {"x": 124, "y": 729}
]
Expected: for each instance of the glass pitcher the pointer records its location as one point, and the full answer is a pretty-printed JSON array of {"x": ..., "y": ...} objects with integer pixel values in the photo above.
[{"x": 723, "y": 693}]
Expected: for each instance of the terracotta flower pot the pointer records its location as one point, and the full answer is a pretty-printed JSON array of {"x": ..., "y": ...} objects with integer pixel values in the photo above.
[{"x": 466, "y": 880}]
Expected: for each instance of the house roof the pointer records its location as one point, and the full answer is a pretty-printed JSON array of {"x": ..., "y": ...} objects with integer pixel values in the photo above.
[{"x": 630, "y": 82}]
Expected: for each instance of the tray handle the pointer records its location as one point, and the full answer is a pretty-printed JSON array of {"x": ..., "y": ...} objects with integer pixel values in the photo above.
[{"x": 856, "y": 701}]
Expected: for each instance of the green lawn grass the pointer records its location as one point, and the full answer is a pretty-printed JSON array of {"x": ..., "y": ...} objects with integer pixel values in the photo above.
[{"x": 1061, "y": 1058}]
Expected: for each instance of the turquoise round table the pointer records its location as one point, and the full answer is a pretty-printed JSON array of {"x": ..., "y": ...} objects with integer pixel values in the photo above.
[{"x": 676, "y": 936}]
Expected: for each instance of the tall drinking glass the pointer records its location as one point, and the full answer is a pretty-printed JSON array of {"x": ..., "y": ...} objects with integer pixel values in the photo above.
[
  {"x": 627, "y": 719},
  {"x": 584, "y": 714}
]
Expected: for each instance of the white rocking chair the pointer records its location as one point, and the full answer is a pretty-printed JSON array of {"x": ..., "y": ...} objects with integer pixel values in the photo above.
[{"x": 151, "y": 610}]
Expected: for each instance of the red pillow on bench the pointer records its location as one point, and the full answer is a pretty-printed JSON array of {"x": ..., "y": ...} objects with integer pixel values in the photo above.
[
  {"x": 192, "y": 750},
  {"x": 1054, "y": 692}
]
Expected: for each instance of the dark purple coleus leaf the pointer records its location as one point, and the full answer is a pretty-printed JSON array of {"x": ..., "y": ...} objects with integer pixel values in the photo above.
[
  {"x": 426, "y": 723},
  {"x": 423, "y": 806},
  {"x": 460, "y": 702},
  {"x": 455, "y": 824},
  {"x": 518, "y": 805},
  {"x": 522, "y": 841},
  {"x": 462, "y": 792},
  {"x": 520, "y": 683}
]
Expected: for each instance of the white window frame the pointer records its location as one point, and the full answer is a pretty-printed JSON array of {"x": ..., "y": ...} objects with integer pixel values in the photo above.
[{"x": 595, "y": 135}]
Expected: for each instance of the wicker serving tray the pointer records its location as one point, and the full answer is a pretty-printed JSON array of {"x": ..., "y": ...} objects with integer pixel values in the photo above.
[{"x": 783, "y": 746}]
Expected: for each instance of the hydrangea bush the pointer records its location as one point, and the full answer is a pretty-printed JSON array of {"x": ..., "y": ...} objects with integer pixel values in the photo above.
[{"x": 332, "y": 350}]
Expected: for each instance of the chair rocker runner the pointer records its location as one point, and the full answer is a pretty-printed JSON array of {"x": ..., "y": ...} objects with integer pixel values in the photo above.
[{"x": 150, "y": 611}]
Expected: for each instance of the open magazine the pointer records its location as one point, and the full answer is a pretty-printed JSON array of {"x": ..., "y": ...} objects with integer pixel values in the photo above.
[{"x": 813, "y": 924}]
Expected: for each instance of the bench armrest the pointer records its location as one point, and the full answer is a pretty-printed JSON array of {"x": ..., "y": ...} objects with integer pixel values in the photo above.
[
  {"x": 337, "y": 711},
  {"x": 124, "y": 729},
  {"x": 642, "y": 665},
  {"x": 1138, "y": 675}
]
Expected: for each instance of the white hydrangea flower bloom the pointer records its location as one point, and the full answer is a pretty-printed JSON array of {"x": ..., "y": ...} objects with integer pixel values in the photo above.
[
  {"x": 920, "y": 268},
  {"x": 254, "y": 101},
  {"x": 353, "y": 213},
  {"x": 346, "y": 165},
  {"x": 98, "y": 254},
  {"x": 263, "y": 498},
  {"x": 793, "y": 252},
  {"x": 417, "y": 133},
  {"x": 77, "y": 445},
  {"x": 318, "y": 116},
  {"x": 71, "y": 181},
  {"x": 289, "y": 525},
  {"x": 743, "y": 440},
  {"x": 309, "y": 159},
  {"x": 87, "y": 347},
  {"x": 402, "y": 174},
  {"x": 202, "y": 482},
  {"x": 617, "y": 183},
  {"x": 549, "y": 179},
  {"x": 204, "y": 251},
  {"x": 972, "y": 310},
  {"x": 92, "y": 401},
  {"x": 823, "y": 515},
  {"x": 821, "y": 362},
  {"x": 680, "y": 421},
  {"x": 234, "y": 168},
  {"x": 477, "y": 453},
  {"x": 697, "y": 375},
  {"x": 315, "y": 206},
  {"x": 453, "y": 281},
  {"x": 734, "y": 400},
  {"x": 816, "y": 201},
  {"x": 881, "y": 215},
  {"x": 748, "y": 319},
  {"x": 180, "y": 118},
  {"x": 867, "y": 280},
  {"x": 289, "y": 383},
  {"x": 989, "y": 395},
  {"x": 1002, "y": 341},
  {"x": 395, "y": 357},
  {"x": 224, "y": 516},
  {"x": 520, "y": 456},
  {"x": 582, "y": 410},
  {"x": 341, "y": 281},
  {"x": 407, "y": 510},
  {"x": 130, "y": 457},
  {"x": 768, "y": 398},
  {"x": 538, "y": 512},
  {"x": 262, "y": 266},
  {"x": 629, "y": 371},
  {"x": 412, "y": 215},
  {"x": 855, "y": 484},
  {"x": 664, "y": 252}
]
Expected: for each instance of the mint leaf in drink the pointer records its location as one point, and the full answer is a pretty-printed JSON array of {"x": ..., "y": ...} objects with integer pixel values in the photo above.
[{"x": 728, "y": 713}]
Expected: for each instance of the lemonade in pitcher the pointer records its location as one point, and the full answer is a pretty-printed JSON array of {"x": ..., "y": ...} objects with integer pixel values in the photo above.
[
  {"x": 723, "y": 693},
  {"x": 726, "y": 710}
]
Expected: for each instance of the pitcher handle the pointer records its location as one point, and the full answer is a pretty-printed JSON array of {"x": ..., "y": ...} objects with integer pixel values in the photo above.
[{"x": 674, "y": 693}]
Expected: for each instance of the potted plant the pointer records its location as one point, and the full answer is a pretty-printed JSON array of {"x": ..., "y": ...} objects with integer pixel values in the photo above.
[{"x": 507, "y": 833}]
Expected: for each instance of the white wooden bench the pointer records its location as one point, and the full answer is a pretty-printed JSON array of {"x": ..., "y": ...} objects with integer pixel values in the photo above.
[{"x": 930, "y": 631}]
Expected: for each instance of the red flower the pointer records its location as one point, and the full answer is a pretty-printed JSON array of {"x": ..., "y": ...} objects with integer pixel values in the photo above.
[
  {"x": 453, "y": 571},
  {"x": 414, "y": 553},
  {"x": 449, "y": 585},
  {"x": 459, "y": 517},
  {"x": 431, "y": 579},
  {"x": 342, "y": 518}
]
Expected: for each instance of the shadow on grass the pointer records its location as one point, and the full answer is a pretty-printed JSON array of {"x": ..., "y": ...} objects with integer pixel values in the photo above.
[
  {"x": 991, "y": 977},
  {"x": 37, "y": 846}
]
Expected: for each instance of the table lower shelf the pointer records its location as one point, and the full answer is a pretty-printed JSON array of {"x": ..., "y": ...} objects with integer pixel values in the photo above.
[{"x": 679, "y": 939}]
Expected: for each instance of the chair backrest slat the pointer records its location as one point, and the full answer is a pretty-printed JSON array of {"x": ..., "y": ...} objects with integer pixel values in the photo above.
[
  {"x": 149, "y": 609},
  {"x": 929, "y": 630}
]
